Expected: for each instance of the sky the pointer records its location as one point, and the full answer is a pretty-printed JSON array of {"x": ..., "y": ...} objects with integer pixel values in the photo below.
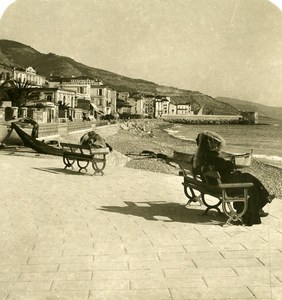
[{"x": 227, "y": 48}]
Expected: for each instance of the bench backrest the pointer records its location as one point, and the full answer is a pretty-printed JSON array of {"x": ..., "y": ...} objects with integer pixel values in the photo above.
[
  {"x": 210, "y": 176},
  {"x": 185, "y": 162},
  {"x": 84, "y": 149},
  {"x": 74, "y": 146}
]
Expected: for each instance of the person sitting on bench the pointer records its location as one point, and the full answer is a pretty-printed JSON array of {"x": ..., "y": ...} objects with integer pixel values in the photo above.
[
  {"x": 95, "y": 140},
  {"x": 208, "y": 155}
]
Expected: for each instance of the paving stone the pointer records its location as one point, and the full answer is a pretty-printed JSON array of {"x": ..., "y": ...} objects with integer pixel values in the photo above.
[
  {"x": 29, "y": 268},
  {"x": 156, "y": 294},
  {"x": 102, "y": 266},
  {"x": 267, "y": 292},
  {"x": 60, "y": 260},
  {"x": 128, "y": 257},
  {"x": 127, "y": 274},
  {"x": 155, "y": 283},
  {"x": 150, "y": 265},
  {"x": 62, "y": 295},
  {"x": 239, "y": 262},
  {"x": 152, "y": 249},
  {"x": 190, "y": 255},
  {"x": 97, "y": 284},
  {"x": 9, "y": 276},
  {"x": 201, "y": 272},
  {"x": 55, "y": 276},
  {"x": 272, "y": 261},
  {"x": 211, "y": 293},
  {"x": 250, "y": 253},
  {"x": 3, "y": 295},
  {"x": 26, "y": 286}
]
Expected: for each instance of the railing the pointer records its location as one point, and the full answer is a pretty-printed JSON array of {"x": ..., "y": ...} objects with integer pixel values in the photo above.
[
  {"x": 79, "y": 125},
  {"x": 53, "y": 129},
  {"x": 48, "y": 129}
]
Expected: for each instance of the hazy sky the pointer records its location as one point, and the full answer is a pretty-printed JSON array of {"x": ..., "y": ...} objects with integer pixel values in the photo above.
[{"x": 229, "y": 48}]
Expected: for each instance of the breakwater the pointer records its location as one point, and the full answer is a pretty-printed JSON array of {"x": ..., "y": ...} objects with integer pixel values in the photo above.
[{"x": 207, "y": 119}]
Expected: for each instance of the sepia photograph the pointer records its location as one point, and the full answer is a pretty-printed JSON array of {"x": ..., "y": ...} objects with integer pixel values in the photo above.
[{"x": 140, "y": 149}]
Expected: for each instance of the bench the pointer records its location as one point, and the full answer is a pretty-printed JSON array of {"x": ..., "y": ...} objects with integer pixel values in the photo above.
[
  {"x": 196, "y": 187},
  {"x": 83, "y": 155}
]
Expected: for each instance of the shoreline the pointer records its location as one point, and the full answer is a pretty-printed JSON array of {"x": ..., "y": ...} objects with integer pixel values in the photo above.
[{"x": 128, "y": 143}]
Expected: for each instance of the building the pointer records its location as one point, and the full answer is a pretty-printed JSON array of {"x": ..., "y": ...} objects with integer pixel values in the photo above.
[
  {"x": 184, "y": 109},
  {"x": 85, "y": 80},
  {"x": 148, "y": 106},
  {"x": 25, "y": 78},
  {"x": 105, "y": 99},
  {"x": 82, "y": 100},
  {"x": 122, "y": 96},
  {"x": 161, "y": 106},
  {"x": 6, "y": 72},
  {"x": 29, "y": 75},
  {"x": 250, "y": 117}
]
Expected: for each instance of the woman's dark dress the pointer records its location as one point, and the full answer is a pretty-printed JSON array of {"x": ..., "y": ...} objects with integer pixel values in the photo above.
[{"x": 258, "y": 193}]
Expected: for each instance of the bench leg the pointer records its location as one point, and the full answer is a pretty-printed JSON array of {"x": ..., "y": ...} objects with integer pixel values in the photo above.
[
  {"x": 99, "y": 164},
  {"x": 97, "y": 170},
  {"x": 68, "y": 162},
  {"x": 234, "y": 216},
  {"x": 82, "y": 167},
  {"x": 192, "y": 196},
  {"x": 209, "y": 207}
]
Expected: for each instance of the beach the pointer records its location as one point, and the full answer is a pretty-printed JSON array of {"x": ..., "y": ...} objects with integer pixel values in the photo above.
[{"x": 131, "y": 141}]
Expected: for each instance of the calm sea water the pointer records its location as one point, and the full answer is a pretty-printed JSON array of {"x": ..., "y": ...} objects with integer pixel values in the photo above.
[{"x": 264, "y": 140}]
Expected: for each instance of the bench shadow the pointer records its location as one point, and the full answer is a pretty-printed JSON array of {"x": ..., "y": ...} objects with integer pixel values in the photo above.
[
  {"x": 168, "y": 212},
  {"x": 63, "y": 171}
]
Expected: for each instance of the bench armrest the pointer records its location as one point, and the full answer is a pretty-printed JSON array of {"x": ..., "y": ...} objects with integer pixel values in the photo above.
[
  {"x": 100, "y": 151},
  {"x": 235, "y": 185}
]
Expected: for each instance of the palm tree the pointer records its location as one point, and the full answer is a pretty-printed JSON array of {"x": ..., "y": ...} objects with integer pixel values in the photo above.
[
  {"x": 19, "y": 92},
  {"x": 3, "y": 88}
]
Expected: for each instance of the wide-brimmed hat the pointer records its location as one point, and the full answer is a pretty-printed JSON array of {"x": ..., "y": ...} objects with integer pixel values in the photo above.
[{"x": 210, "y": 140}]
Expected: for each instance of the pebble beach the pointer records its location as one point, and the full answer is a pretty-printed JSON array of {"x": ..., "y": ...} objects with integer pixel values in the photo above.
[{"x": 136, "y": 136}]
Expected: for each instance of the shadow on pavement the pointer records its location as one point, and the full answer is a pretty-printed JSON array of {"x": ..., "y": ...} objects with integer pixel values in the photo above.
[
  {"x": 64, "y": 171},
  {"x": 167, "y": 212}
]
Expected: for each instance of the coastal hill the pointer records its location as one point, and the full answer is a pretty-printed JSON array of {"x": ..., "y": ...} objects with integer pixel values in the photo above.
[
  {"x": 17, "y": 54},
  {"x": 263, "y": 110}
]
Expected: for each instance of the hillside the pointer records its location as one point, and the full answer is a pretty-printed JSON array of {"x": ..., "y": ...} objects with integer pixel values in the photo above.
[
  {"x": 17, "y": 54},
  {"x": 263, "y": 110}
]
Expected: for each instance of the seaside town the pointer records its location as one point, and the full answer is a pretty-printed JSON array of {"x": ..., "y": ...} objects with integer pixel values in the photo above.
[
  {"x": 130, "y": 232},
  {"x": 62, "y": 99},
  {"x": 115, "y": 187}
]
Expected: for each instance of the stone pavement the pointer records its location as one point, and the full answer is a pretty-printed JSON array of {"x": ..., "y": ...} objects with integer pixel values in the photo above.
[{"x": 124, "y": 235}]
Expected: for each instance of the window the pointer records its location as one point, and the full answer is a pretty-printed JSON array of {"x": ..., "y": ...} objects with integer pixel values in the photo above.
[{"x": 100, "y": 92}]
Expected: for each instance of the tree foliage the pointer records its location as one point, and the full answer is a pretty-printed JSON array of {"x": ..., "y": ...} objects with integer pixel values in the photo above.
[{"x": 17, "y": 91}]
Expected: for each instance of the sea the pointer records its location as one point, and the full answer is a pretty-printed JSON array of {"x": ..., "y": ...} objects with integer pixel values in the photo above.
[{"x": 264, "y": 139}]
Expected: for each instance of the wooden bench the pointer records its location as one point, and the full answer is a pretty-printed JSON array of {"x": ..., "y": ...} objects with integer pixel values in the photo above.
[
  {"x": 196, "y": 187},
  {"x": 83, "y": 155}
]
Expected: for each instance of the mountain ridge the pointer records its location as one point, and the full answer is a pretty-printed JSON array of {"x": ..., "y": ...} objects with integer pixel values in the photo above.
[
  {"x": 18, "y": 54},
  {"x": 262, "y": 109}
]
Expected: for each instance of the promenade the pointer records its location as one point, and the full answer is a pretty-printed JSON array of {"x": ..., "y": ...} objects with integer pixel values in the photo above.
[{"x": 124, "y": 235}]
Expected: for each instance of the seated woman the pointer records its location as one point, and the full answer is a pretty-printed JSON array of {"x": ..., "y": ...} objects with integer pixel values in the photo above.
[
  {"x": 95, "y": 140},
  {"x": 208, "y": 154}
]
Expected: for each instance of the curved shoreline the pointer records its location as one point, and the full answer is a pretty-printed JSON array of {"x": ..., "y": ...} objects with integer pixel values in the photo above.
[{"x": 128, "y": 142}]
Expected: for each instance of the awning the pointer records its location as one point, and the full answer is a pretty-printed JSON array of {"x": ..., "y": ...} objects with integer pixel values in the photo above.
[
  {"x": 41, "y": 102},
  {"x": 94, "y": 107}
]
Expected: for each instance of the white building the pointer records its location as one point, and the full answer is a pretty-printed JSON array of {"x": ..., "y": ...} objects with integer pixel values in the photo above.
[{"x": 29, "y": 75}]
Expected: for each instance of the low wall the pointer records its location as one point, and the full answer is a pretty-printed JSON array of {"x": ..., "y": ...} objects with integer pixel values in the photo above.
[
  {"x": 204, "y": 119},
  {"x": 53, "y": 129}
]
